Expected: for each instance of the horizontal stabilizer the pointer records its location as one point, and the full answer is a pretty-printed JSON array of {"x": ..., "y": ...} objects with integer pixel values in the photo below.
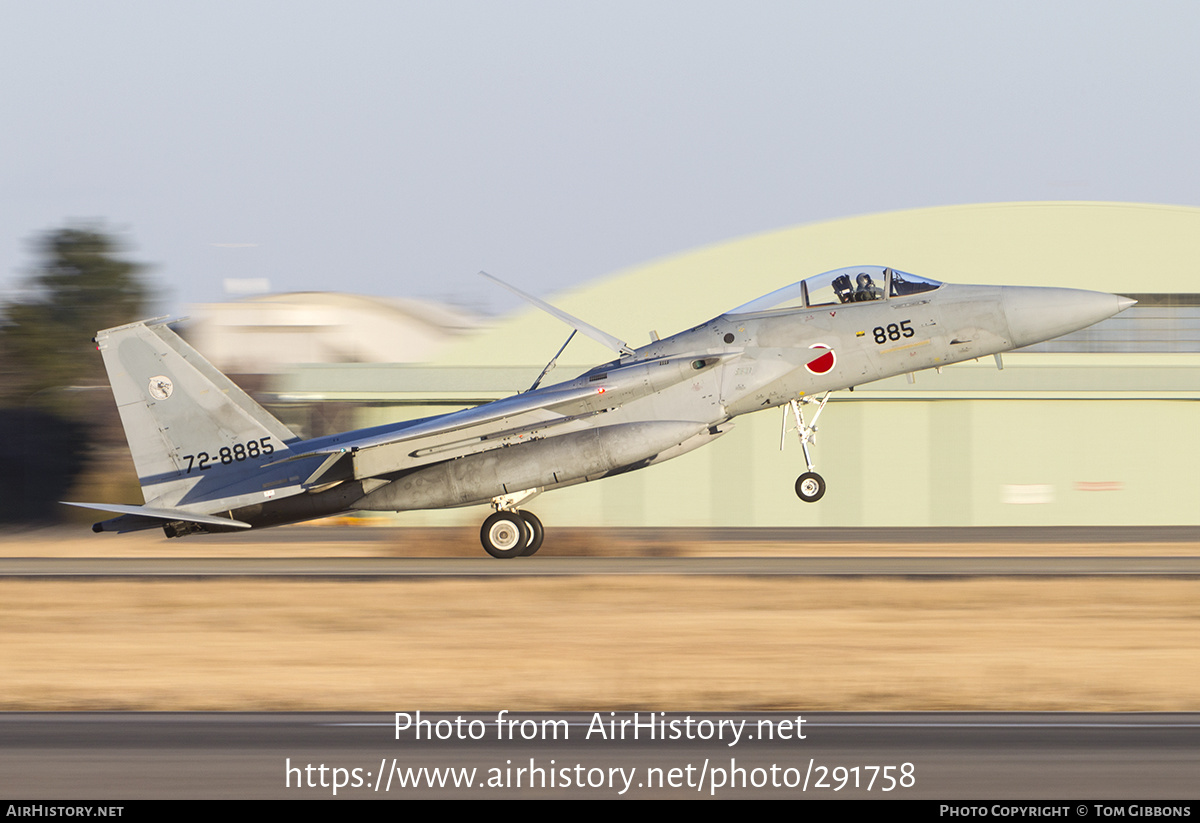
[{"x": 163, "y": 514}]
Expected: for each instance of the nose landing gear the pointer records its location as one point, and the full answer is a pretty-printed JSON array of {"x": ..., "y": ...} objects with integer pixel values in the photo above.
[{"x": 810, "y": 486}]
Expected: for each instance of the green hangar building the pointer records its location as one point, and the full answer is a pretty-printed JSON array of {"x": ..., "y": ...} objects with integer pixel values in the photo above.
[{"x": 1098, "y": 428}]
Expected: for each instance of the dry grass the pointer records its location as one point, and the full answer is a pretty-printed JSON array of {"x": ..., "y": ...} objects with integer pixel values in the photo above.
[{"x": 601, "y": 643}]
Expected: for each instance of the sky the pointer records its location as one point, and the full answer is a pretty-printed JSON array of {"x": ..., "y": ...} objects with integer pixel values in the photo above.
[{"x": 397, "y": 148}]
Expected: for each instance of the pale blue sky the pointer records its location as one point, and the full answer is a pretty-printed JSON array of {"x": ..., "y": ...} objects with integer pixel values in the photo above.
[{"x": 396, "y": 148}]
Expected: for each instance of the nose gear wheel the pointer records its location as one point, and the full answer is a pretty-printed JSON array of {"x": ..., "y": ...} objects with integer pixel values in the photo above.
[{"x": 810, "y": 487}]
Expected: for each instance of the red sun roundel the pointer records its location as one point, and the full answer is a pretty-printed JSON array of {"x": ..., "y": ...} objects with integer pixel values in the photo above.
[{"x": 824, "y": 360}]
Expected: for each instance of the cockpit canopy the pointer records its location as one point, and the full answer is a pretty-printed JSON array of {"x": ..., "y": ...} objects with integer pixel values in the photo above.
[{"x": 854, "y": 284}]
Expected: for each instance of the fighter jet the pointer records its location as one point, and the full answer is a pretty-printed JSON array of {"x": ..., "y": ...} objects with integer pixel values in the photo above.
[{"x": 211, "y": 459}]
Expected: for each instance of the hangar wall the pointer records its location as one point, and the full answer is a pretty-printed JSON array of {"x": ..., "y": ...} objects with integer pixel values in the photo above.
[{"x": 930, "y": 454}]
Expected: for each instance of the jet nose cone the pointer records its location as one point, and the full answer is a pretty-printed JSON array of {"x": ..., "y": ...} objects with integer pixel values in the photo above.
[{"x": 1038, "y": 314}]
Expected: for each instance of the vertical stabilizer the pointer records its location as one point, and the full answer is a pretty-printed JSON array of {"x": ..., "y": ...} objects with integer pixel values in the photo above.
[{"x": 181, "y": 415}]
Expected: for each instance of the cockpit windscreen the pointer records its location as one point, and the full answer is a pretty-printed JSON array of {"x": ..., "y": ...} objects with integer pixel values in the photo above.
[{"x": 854, "y": 284}]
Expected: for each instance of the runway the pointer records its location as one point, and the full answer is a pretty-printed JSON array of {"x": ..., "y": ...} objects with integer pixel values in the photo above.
[
  {"x": 711, "y": 631},
  {"x": 369, "y": 568},
  {"x": 1049, "y": 757},
  {"x": 798, "y": 535}
]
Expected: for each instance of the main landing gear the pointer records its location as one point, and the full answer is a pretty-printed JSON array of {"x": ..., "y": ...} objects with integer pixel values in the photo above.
[
  {"x": 510, "y": 532},
  {"x": 810, "y": 486}
]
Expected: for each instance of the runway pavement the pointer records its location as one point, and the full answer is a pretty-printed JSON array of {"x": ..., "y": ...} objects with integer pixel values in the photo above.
[
  {"x": 375, "y": 567},
  {"x": 1051, "y": 757},
  {"x": 901, "y": 535}
]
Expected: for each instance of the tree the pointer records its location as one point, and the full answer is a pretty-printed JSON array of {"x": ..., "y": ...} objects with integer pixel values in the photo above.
[
  {"x": 79, "y": 285},
  {"x": 55, "y": 405}
]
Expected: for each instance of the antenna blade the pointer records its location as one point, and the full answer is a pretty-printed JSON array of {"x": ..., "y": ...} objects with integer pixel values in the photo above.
[{"x": 603, "y": 338}]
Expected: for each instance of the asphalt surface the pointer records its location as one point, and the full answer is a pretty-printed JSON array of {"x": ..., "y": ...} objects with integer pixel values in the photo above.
[
  {"x": 952, "y": 756},
  {"x": 376, "y": 568},
  {"x": 907, "y": 535}
]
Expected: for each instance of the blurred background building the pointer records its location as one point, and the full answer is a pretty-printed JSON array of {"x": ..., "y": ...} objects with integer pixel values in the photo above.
[
  {"x": 1096, "y": 428},
  {"x": 326, "y": 333},
  {"x": 266, "y": 333}
]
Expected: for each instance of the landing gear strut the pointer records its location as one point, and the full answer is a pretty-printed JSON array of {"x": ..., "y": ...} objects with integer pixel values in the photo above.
[
  {"x": 510, "y": 532},
  {"x": 810, "y": 486}
]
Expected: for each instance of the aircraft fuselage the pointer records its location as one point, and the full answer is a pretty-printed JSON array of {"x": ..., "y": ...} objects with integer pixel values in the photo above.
[{"x": 694, "y": 383}]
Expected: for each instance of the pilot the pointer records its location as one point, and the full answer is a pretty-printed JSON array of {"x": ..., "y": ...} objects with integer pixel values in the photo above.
[{"x": 867, "y": 290}]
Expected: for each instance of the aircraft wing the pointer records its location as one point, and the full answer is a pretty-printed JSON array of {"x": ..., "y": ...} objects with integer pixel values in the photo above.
[
  {"x": 493, "y": 425},
  {"x": 518, "y": 419}
]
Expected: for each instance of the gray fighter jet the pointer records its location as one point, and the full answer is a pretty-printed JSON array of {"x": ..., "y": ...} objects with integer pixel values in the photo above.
[{"x": 210, "y": 459}]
